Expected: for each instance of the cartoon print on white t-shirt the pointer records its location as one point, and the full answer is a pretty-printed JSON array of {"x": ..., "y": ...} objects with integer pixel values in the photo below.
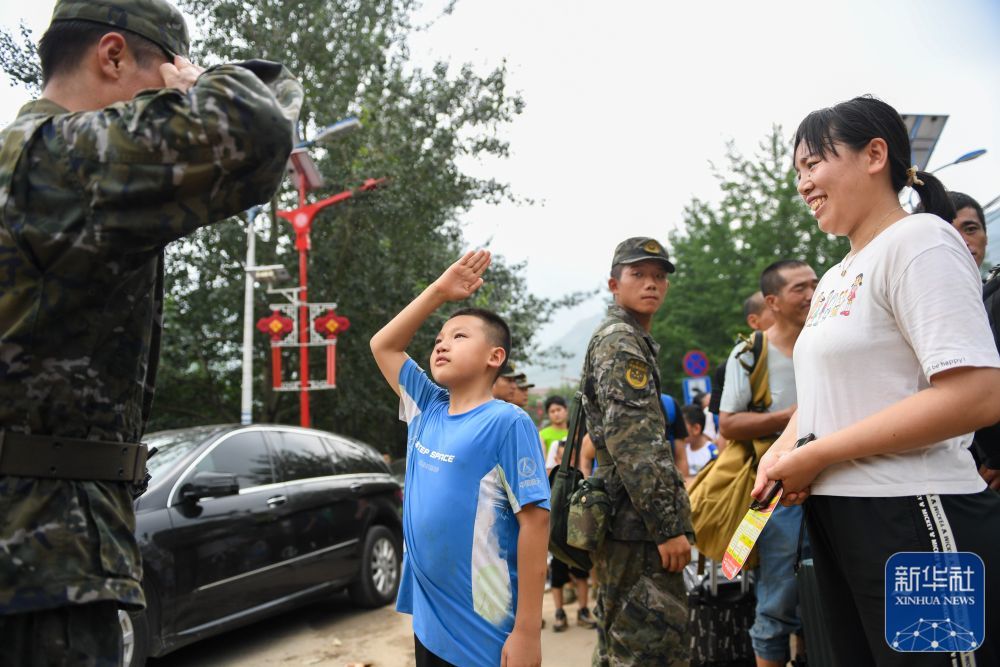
[
  {"x": 858, "y": 281},
  {"x": 819, "y": 300},
  {"x": 827, "y": 306}
]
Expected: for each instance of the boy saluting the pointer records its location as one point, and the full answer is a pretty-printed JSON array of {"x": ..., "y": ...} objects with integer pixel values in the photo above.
[{"x": 475, "y": 514}]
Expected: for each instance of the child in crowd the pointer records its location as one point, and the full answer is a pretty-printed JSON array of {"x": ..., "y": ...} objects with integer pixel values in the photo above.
[
  {"x": 475, "y": 514},
  {"x": 558, "y": 428},
  {"x": 699, "y": 447}
]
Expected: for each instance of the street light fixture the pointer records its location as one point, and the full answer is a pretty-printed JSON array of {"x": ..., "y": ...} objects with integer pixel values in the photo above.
[
  {"x": 332, "y": 132},
  {"x": 269, "y": 274},
  {"x": 965, "y": 157},
  {"x": 307, "y": 177},
  {"x": 971, "y": 155},
  {"x": 266, "y": 274}
]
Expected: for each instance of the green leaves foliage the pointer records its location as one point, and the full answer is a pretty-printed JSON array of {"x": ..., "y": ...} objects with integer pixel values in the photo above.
[
  {"x": 371, "y": 255},
  {"x": 19, "y": 58}
]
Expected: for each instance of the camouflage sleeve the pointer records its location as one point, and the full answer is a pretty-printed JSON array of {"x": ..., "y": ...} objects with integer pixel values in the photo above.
[
  {"x": 165, "y": 163},
  {"x": 634, "y": 433}
]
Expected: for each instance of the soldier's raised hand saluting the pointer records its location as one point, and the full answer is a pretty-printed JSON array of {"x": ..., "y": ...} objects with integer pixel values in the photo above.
[{"x": 180, "y": 74}]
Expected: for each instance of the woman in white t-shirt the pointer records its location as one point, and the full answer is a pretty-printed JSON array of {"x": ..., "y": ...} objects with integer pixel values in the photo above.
[{"x": 895, "y": 369}]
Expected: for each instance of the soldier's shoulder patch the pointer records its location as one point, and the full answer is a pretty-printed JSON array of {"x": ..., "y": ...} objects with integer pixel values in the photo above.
[{"x": 637, "y": 374}]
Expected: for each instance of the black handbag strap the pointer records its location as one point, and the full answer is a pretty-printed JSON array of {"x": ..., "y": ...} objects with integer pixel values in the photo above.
[
  {"x": 801, "y": 541},
  {"x": 663, "y": 408},
  {"x": 574, "y": 443}
]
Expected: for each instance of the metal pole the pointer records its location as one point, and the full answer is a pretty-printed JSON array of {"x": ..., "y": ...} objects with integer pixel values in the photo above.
[
  {"x": 246, "y": 404},
  {"x": 303, "y": 320}
]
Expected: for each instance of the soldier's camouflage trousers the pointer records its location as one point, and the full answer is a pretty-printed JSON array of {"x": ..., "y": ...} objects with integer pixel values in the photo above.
[
  {"x": 85, "y": 635},
  {"x": 641, "y": 608}
]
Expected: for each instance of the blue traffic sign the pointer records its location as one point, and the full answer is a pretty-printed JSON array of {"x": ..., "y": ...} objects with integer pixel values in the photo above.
[{"x": 694, "y": 385}]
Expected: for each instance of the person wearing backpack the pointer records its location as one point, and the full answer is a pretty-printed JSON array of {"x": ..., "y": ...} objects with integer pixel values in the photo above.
[
  {"x": 759, "y": 318},
  {"x": 788, "y": 286}
]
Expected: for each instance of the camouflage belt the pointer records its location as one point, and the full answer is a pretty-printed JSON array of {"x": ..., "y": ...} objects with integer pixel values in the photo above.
[
  {"x": 57, "y": 457},
  {"x": 603, "y": 457}
]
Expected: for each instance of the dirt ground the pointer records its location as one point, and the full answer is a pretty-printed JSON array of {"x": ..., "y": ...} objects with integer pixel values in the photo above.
[{"x": 337, "y": 634}]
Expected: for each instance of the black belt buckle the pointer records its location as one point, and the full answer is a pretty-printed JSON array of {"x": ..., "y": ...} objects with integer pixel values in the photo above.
[{"x": 139, "y": 463}]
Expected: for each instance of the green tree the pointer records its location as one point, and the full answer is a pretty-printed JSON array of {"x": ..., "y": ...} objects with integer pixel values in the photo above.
[
  {"x": 371, "y": 255},
  {"x": 19, "y": 58},
  {"x": 722, "y": 248}
]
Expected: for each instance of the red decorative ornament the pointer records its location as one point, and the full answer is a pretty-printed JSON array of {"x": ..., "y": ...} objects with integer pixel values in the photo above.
[
  {"x": 331, "y": 325},
  {"x": 277, "y": 326}
]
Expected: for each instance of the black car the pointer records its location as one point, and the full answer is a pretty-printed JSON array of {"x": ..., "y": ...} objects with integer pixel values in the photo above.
[{"x": 241, "y": 522}]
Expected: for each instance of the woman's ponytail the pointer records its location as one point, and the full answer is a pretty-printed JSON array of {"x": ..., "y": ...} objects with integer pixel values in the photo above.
[{"x": 933, "y": 197}]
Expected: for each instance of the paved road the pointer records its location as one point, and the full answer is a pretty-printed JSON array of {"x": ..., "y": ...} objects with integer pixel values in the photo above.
[{"x": 336, "y": 633}]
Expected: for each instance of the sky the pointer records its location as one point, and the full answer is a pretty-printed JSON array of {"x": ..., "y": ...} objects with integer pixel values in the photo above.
[{"x": 629, "y": 103}]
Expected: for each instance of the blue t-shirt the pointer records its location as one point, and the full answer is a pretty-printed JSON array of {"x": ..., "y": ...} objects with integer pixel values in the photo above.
[{"x": 467, "y": 475}]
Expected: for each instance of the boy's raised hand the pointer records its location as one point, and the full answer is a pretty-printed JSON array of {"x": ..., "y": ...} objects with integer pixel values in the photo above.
[
  {"x": 458, "y": 282},
  {"x": 464, "y": 277}
]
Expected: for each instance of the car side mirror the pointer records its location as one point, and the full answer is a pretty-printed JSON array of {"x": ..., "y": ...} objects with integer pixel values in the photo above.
[{"x": 210, "y": 485}]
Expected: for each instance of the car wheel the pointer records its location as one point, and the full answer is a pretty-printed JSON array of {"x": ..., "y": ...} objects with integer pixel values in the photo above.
[
  {"x": 381, "y": 565},
  {"x": 135, "y": 638},
  {"x": 137, "y": 632}
]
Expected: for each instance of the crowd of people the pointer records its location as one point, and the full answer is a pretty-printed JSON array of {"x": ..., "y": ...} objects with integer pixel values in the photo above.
[{"x": 887, "y": 362}]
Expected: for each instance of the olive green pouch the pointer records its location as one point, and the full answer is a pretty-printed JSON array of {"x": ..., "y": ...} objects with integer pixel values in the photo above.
[{"x": 589, "y": 512}]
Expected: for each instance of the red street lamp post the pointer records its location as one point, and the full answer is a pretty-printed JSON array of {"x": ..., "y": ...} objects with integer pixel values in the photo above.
[{"x": 301, "y": 219}]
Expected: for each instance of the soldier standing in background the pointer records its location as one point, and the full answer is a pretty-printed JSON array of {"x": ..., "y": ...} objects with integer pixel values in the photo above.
[
  {"x": 650, "y": 535},
  {"x": 506, "y": 384},
  {"x": 521, "y": 387},
  {"x": 130, "y": 147}
]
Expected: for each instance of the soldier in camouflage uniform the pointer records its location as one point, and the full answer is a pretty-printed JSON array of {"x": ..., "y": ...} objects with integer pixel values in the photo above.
[
  {"x": 641, "y": 602},
  {"x": 130, "y": 147}
]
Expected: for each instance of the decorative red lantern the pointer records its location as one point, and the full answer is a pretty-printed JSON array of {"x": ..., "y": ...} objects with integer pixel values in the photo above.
[
  {"x": 277, "y": 326},
  {"x": 330, "y": 325}
]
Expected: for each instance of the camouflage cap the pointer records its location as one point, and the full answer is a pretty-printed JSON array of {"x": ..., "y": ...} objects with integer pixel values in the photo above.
[
  {"x": 639, "y": 249},
  {"x": 156, "y": 20},
  {"x": 510, "y": 372},
  {"x": 522, "y": 382}
]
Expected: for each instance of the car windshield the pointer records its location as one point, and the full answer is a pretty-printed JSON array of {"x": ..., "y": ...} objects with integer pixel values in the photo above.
[{"x": 172, "y": 446}]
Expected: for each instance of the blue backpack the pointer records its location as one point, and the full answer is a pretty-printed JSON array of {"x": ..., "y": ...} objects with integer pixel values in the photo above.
[{"x": 670, "y": 407}]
